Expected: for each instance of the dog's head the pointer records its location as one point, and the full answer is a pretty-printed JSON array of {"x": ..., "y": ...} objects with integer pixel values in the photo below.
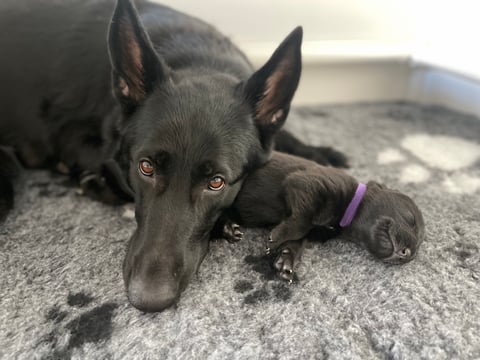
[
  {"x": 187, "y": 139},
  {"x": 390, "y": 224}
]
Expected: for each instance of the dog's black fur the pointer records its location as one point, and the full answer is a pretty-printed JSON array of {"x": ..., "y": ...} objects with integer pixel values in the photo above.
[
  {"x": 294, "y": 195},
  {"x": 188, "y": 108}
]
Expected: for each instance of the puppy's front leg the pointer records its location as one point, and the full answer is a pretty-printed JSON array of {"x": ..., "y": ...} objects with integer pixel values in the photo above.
[{"x": 295, "y": 227}]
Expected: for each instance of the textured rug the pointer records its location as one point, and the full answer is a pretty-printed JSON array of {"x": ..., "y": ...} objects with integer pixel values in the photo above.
[{"x": 62, "y": 294}]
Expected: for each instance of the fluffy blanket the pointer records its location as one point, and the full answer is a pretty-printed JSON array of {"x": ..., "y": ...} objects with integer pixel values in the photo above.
[{"x": 62, "y": 293}]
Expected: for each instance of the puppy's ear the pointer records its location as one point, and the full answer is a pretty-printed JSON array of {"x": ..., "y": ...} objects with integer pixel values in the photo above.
[
  {"x": 382, "y": 242},
  {"x": 270, "y": 90},
  {"x": 136, "y": 69}
]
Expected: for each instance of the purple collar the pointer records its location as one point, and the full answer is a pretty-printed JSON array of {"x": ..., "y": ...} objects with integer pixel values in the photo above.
[{"x": 353, "y": 206}]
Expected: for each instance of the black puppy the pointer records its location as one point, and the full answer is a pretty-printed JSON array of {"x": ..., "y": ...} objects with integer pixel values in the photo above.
[
  {"x": 190, "y": 119},
  {"x": 294, "y": 195}
]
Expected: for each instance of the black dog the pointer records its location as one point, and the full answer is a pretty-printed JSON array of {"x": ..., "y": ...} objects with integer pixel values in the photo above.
[
  {"x": 190, "y": 119},
  {"x": 294, "y": 195}
]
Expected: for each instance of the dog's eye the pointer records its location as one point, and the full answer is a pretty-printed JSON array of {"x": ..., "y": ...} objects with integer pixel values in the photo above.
[
  {"x": 146, "y": 167},
  {"x": 216, "y": 183}
]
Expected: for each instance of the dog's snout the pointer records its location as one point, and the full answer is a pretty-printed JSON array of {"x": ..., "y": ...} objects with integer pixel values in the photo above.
[
  {"x": 153, "y": 280},
  {"x": 161, "y": 258},
  {"x": 152, "y": 297}
]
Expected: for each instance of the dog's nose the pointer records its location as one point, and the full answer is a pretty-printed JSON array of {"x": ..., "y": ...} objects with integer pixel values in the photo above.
[{"x": 152, "y": 297}]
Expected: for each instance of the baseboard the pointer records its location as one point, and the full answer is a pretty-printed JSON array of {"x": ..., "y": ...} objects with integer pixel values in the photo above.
[
  {"x": 345, "y": 71},
  {"x": 336, "y": 51},
  {"x": 356, "y": 81}
]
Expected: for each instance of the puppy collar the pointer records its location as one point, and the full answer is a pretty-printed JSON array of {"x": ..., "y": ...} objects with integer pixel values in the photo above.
[{"x": 353, "y": 206}]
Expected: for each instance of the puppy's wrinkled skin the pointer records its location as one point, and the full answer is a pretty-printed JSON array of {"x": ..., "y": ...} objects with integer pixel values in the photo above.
[{"x": 297, "y": 197}]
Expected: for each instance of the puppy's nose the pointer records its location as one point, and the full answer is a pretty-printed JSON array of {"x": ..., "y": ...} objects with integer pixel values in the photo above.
[
  {"x": 405, "y": 253},
  {"x": 152, "y": 297}
]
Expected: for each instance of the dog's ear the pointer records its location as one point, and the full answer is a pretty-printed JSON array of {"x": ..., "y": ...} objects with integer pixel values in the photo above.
[
  {"x": 382, "y": 237},
  {"x": 136, "y": 69},
  {"x": 270, "y": 90}
]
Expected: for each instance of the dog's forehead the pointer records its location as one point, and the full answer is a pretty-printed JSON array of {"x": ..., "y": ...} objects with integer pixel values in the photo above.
[
  {"x": 190, "y": 124},
  {"x": 195, "y": 130},
  {"x": 194, "y": 102}
]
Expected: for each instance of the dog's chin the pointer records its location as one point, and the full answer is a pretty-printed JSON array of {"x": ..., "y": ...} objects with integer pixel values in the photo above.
[
  {"x": 397, "y": 258},
  {"x": 394, "y": 260}
]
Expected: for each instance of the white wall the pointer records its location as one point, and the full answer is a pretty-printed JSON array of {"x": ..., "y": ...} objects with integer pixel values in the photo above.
[
  {"x": 333, "y": 29},
  {"x": 269, "y": 20},
  {"x": 353, "y": 50},
  {"x": 363, "y": 50},
  {"x": 447, "y": 35},
  {"x": 445, "y": 32}
]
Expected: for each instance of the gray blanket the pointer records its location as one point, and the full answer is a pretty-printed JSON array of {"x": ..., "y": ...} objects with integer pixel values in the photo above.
[{"x": 61, "y": 254}]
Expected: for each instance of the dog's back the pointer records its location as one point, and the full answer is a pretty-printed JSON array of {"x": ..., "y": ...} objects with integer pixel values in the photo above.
[{"x": 48, "y": 63}]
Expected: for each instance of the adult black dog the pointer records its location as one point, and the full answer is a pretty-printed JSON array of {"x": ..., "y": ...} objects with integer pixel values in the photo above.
[{"x": 189, "y": 120}]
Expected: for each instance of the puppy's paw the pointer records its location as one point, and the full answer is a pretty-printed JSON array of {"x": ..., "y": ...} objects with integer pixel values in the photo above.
[
  {"x": 231, "y": 232},
  {"x": 284, "y": 264}
]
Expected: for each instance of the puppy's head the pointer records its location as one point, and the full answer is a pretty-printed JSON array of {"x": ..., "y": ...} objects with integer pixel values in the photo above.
[
  {"x": 188, "y": 138},
  {"x": 391, "y": 224}
]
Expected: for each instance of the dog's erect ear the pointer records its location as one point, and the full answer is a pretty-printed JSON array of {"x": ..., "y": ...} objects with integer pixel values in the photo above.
[
  {"x": 270, "y": 90},
  {"x": 136, "y": 67}
]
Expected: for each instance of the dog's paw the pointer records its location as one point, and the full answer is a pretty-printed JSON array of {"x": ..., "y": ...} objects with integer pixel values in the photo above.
[
  {"x": 284, "y": 264},
  {"x": 231, "y": 232}
]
